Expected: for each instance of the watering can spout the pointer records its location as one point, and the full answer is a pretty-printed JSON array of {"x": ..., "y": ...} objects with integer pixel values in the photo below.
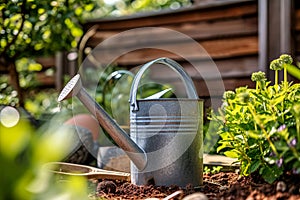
[{"x": 134, "y": 152}]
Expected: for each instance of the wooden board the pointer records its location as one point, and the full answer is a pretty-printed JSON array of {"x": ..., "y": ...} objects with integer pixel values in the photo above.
[
  {"x": 227, "y": 31},
  {"x": 208, "y": 88},
  {"x": 229, "y": 9},
  {"x": 221, "y": 28},
  {"x": 216, "y": 49},
  {"x": 225, "y": 68}
]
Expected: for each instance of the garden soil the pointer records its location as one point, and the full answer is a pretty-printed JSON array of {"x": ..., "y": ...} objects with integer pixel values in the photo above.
[{"x": 223, "y": 185}]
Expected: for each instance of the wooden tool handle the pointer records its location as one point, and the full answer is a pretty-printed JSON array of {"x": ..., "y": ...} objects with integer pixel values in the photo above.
[{"x": 86, "y": 171}]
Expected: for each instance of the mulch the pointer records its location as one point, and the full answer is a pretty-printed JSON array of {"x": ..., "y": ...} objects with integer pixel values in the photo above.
[{"x": 220, "y": 186}]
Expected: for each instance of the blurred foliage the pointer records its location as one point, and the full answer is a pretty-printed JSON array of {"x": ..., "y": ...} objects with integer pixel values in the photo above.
[
  {"x": 24, "y": 151},
  {"x": 26, "y": 68},
  {"x": 8, "y": 96},
  {"x": 127, "y": 7},
  {"x": 34, "y": 28},
  {"x": 113, "y": 90},
  {"x": 37, "y": 103},
  {"x": 211, "y": 138}
]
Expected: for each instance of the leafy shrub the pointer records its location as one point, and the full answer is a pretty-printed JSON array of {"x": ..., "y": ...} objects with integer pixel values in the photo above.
[
  {"x": 23, "y": 152},
  {"x": 261, "y": 126}
]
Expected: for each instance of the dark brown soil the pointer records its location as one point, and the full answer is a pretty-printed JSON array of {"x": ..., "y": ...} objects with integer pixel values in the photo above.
[{"x": 219, "y": 186}]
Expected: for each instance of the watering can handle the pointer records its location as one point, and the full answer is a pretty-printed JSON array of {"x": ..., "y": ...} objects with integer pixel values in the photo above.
[{"x": 189, "y": 85}]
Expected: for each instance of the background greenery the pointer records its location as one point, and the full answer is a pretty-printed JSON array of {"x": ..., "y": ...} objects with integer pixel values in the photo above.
[
  {"x": 29, "y": 29},
  {"x": 41, "y": 28}
]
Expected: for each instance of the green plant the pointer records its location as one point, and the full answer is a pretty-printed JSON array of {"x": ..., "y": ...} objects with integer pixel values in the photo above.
[
  {"x": 23, "y": 152},
  {"x": 8, "y": 96},
  {"x": 261, "y": 126},
  {"x": 38, "y": 28},
  {"x": 212, "y": 170}
]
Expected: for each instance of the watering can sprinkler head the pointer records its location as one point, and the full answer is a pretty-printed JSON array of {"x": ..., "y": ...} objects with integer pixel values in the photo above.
[
  {"x": 71, "y": 89},
  {"x": 135, "y": 153}
]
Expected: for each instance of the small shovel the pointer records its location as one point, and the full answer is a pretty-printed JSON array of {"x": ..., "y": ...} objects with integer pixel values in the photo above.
[{"x": 85, "y": 171}]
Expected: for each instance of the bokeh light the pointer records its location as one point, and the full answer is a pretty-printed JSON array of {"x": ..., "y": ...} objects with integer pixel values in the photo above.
[{"x": 9, "y": 116}]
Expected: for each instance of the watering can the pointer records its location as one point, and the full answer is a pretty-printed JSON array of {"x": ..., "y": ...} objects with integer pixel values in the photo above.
[{"x": 165, "y": 142}]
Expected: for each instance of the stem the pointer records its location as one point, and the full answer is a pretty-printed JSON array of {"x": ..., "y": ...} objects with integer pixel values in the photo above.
[
  {"x": 261, "y": 152},
  {"x": 295, "y": 152},
  {"x": 15, "y": 82},
  {"x": 285, "y": 79},
  {"x": 240, "y": 147},
  {"x": 276, "y": 79},
  {"x": 298, "y": 127},
  {"x": 256, "y": 87},
  {"x": 263, "y": 129}
]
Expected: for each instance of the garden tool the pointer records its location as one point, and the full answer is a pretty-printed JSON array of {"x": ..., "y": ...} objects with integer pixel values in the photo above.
[
  {"x": 69, "y": 169},
  {"x": 165, "y": 142}
]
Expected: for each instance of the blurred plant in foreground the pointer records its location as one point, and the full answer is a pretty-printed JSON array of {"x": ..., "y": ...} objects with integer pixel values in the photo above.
[{"x": 23, "y": 153}]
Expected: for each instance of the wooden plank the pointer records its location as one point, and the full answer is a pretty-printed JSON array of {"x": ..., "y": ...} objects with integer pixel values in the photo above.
[
  {"x": 193, "y": 14},
  {"x": 210, "y": 88},
  {"x": 297, "y": 20},
  {"x": 46, "y": 62},
  {"x": 196, "y": 30},
  {"x": 216, "y": 49},
  {"x": 44, "y": 80},
  {"x": 297, "y": 41},
  {"x": 229, "y": 68},
  {"x": 230, "y": 84},
  {"x": 296, "y": 28},
  {"x": 218, "y": 29},
  {"x": 230, "y": 164}
]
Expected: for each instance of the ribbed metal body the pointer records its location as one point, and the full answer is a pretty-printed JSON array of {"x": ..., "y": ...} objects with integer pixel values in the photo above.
[{"x": 170, "y": 132}]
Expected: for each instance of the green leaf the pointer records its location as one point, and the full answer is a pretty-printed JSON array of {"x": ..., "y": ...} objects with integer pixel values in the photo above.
[
  {"x": 270, "y": 174},
  {"x": 89, "y": 7},
  {"x": 78, "y": 11},
  {"x": 281, "y": 145},
  {"x": 76, "y": 32},
  {"x": 225, "y": 136},
  {"x": 255, "y": 134},
  {"x": 224, "y": 144},
  {"x": 265, "y": 118},
  {"x": 277, "y": 100},
  {"x": 293, "y": 70},
  {"x": 289, "y": 159},
  {"x": 244, "y": 168},
  {"x": 232, "y": 154},
  {"x": 35, "y": 67},
  {"x": 254, "y": 165}
]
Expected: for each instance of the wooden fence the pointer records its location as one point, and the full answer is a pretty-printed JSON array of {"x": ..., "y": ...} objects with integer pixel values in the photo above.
[
  {"x": 241, "y": 36},
  {"x": 227, "y": 30}
]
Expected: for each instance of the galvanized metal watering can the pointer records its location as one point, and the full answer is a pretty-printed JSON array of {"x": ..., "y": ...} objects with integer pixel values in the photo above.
[{"x": 165, "y": 142}]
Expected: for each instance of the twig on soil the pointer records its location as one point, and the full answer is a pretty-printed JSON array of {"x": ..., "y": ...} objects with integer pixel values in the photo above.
[
  {"x": 213, "y": 183},
  {"x": 174, "y": 194}
]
